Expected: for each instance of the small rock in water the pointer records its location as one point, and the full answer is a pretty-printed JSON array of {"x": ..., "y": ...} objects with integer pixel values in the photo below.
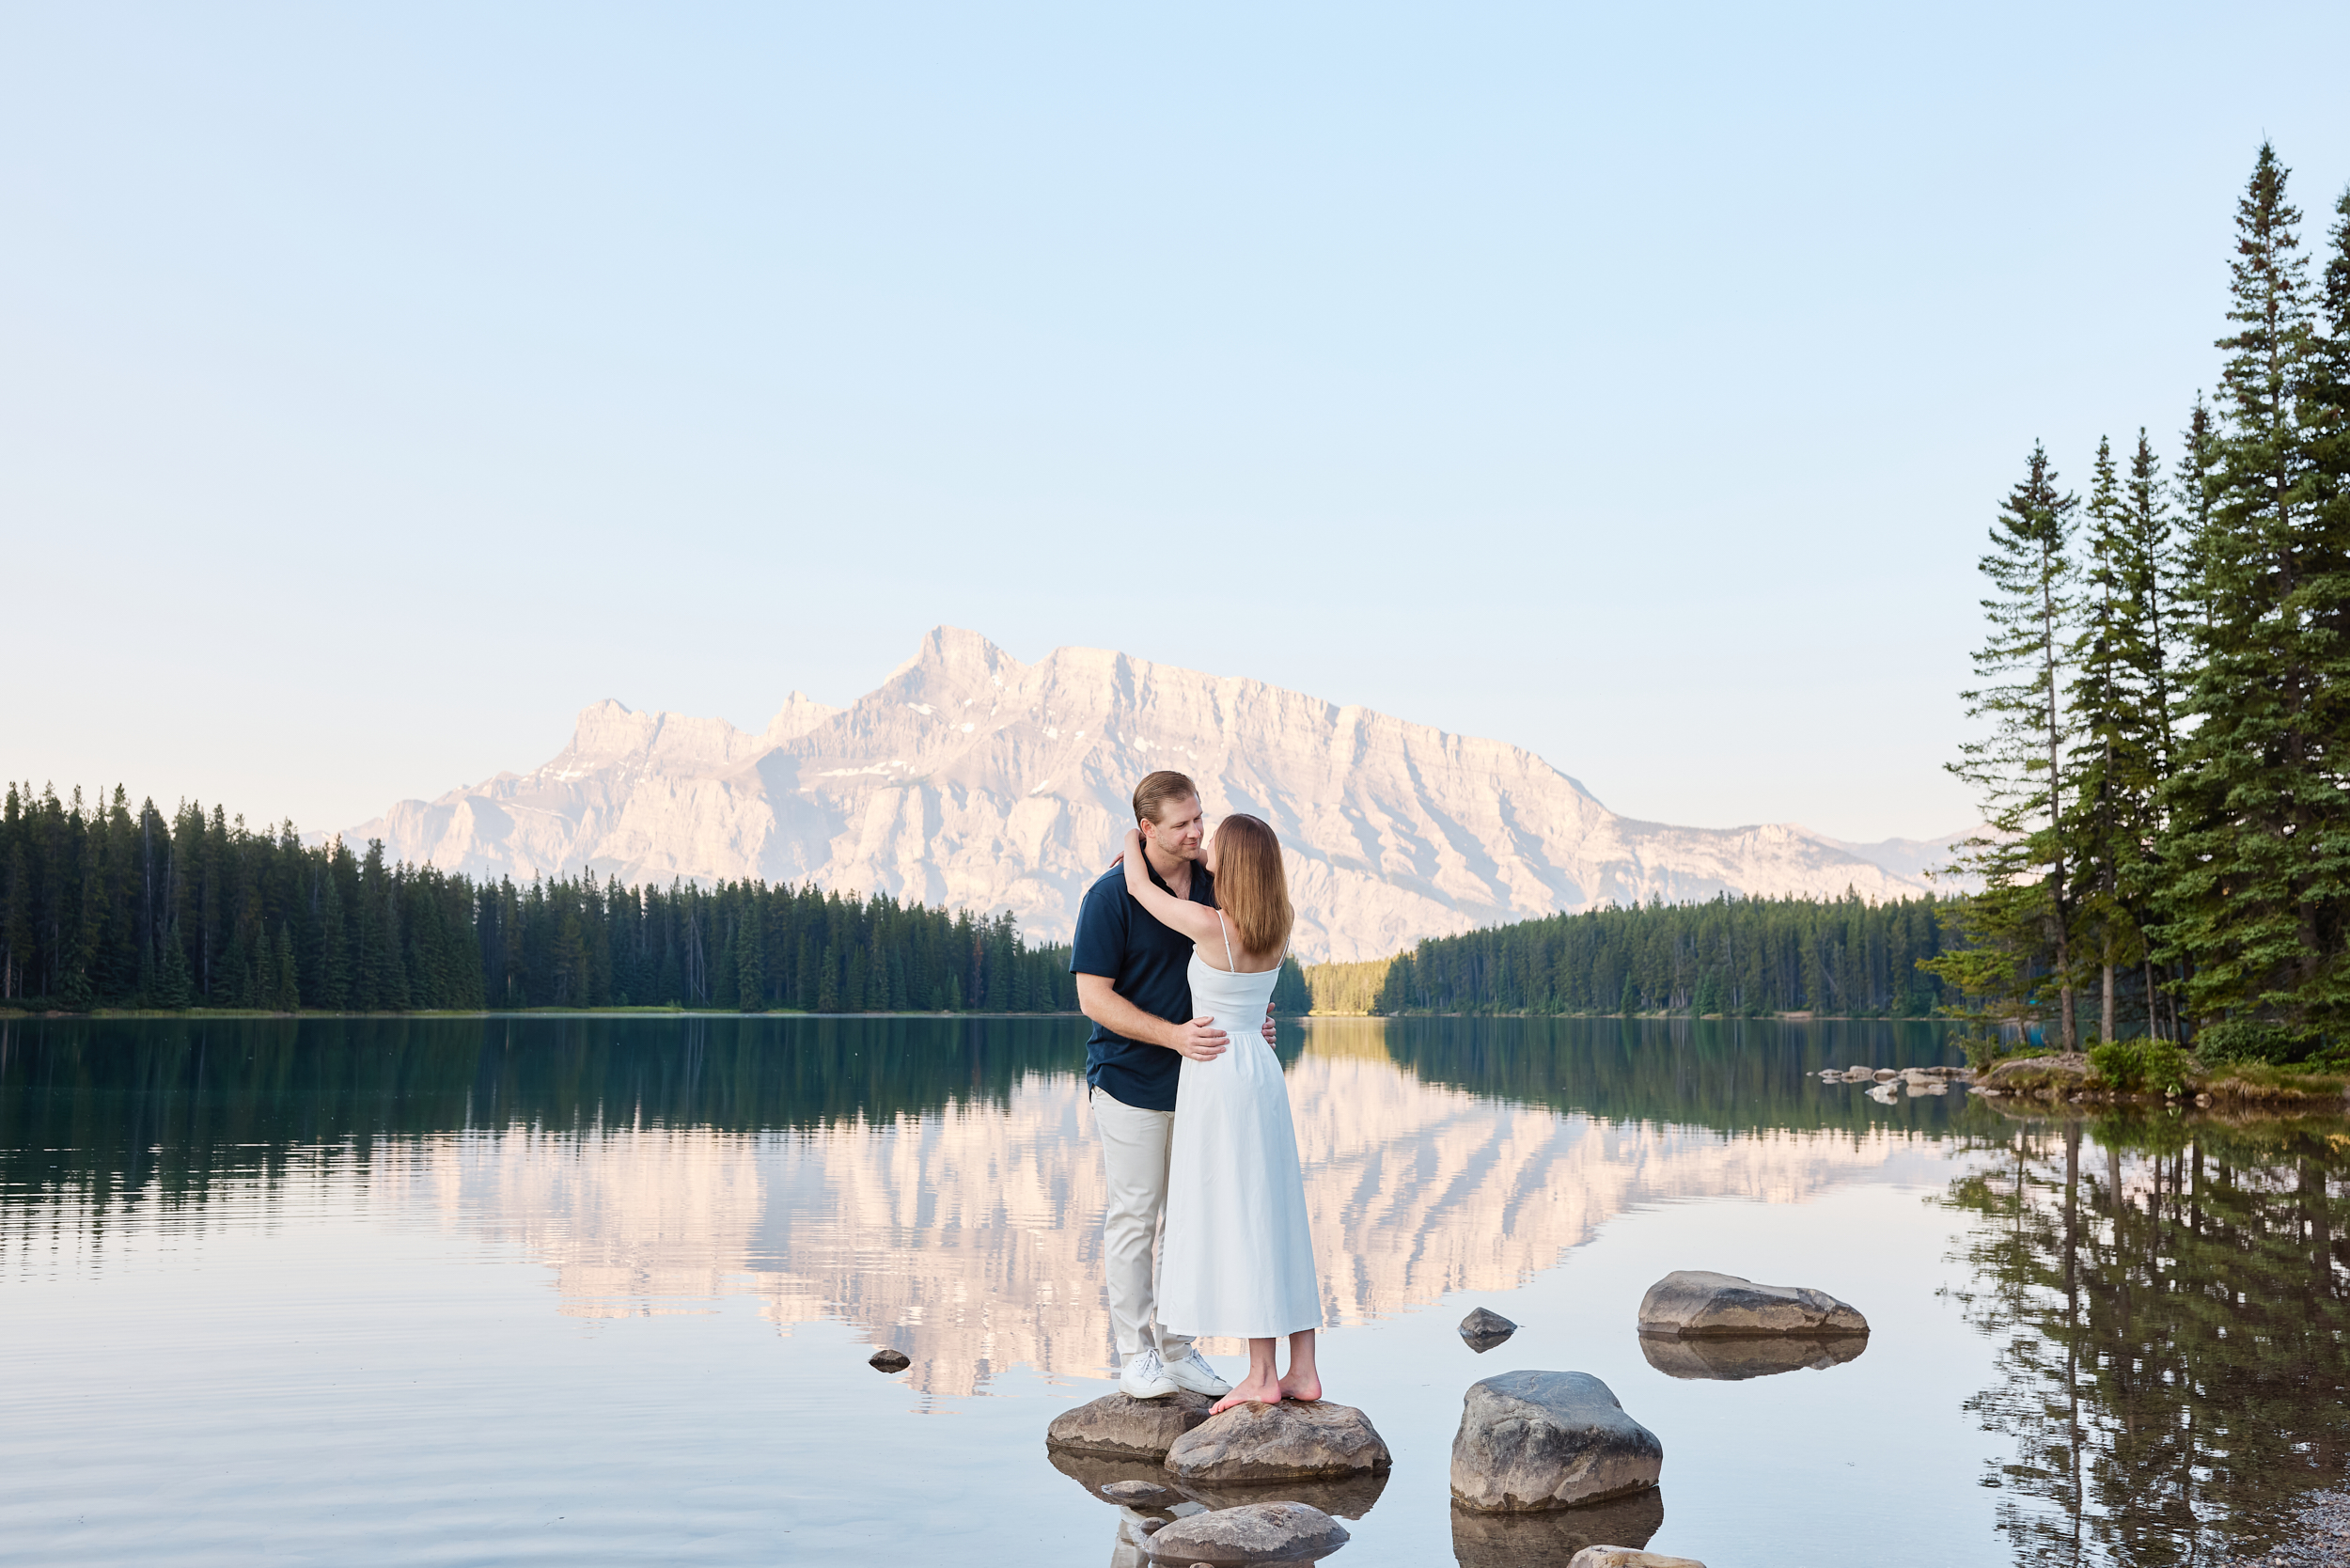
[
  {"x": 1289, "y": 1441},
  {"x": 1485, "y": 1329},
  {"x": 1153, "y": 1527},
  {"x": 1256, "y": 1532},
  {"x": 1535, "y": 1440},
  {"x": 890, "y": 1360},
  {"x": 1885, "y": 1095},
  {"x": 1884, "y": 1074},
  {"x": 1859, "y": 1074},
  {"x": 1140, "y": 1494},
  {"x": 1628, "y": 1557},
  {"x": 1695, "y": 1302}
]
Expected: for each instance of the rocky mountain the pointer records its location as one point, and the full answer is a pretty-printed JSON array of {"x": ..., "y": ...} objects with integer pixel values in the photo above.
[{"x": 970, "y": 779}]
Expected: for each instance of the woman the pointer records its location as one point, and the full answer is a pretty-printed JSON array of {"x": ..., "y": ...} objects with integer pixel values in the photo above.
[{"x": 1239, "y": 1262}]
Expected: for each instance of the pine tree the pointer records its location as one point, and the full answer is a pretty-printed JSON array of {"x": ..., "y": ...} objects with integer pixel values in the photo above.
[
  {"x": 287, "y": 996},
  {"x": 1629, "y": 1003},
  {"x": 2258, "y": 861},
  {"x": 2022, "y": 922},
  {"x": 176, "y": 986},
  {"x": 750, "y": 962}
]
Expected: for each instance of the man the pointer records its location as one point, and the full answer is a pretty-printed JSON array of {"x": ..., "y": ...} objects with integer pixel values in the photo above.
[{"x": 1133, "y": 981}]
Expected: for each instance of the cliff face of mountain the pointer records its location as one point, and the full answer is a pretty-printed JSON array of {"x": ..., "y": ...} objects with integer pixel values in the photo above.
[{"x": 970, "y": 779}]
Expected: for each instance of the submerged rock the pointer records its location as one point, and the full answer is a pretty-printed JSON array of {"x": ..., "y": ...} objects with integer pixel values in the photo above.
[
  {"x": 1729, "y": 1358},
  {"x": 1341, "y": 1497},
  {"x": 1553, "y": 1539},
  {"x": 1485, "y": 1329},
  {"x": 1288, "y": 1441},
  {"x": 888, "y": 1360},
  {"x": 1138, "y": 1493},
  {"x": 1695, "y": 1302},
  {"x": 1256, "y": 1532},
  {"x": 1534, "y": 1440},
  {"x": 1629, "y": 1557},
  {"x": 1118, "y": 1426}
]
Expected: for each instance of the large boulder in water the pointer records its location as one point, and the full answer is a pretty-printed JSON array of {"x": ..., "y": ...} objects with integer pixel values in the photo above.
[
  {"x": 1289, "y": 1441},
  {"x": 1691, "y": 1303},
  {"x": 1535, "y": 1440},
  {"x": 1259, "y": 1532},
  {"x": 1730, "y": 1358},
  {"x": 1119, "y": 1426},
  {"x": 1629, "y": 1557},
  {"x": 1553, "y": 1539}
]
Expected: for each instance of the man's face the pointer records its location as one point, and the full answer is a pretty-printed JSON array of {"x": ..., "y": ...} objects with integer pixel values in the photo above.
[{"x": 1178, "y": 829}]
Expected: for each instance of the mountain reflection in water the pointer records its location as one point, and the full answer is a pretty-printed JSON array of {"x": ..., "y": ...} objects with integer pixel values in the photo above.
[
  {"x": 935, "y": 1183},
  {"x": 2165, "y": 1297},
  {"x": 2170, "y": 1299}
]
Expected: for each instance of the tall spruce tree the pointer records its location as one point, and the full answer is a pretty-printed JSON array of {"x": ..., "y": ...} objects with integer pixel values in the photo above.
[
  {"x": 2108, "y": 830},
  {"x": 2022, "y": 923},
  {"x": 2155, "y": 577},
  {"x": 2258, "y": 858}
]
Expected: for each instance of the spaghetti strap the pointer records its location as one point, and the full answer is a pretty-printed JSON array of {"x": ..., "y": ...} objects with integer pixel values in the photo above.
[{"x": 1231, "y": 964}]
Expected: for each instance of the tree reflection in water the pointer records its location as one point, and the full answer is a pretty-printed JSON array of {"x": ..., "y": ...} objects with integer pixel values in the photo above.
[{"x": 2171, "y": 1300}]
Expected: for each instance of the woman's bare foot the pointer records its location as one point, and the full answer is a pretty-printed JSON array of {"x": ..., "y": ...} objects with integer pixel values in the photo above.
[
  {"x": 1307, "y": 1387},
  {"x": 1264, "y": 1390}
]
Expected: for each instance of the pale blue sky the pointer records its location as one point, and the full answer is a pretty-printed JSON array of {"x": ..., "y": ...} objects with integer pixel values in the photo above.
[{"x": 379, "y": 385}]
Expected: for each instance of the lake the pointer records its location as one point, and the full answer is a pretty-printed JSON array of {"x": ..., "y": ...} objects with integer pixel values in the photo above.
[{"x": 600, "y": 1289}]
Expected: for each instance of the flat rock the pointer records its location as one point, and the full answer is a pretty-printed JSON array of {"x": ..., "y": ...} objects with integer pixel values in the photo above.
[
  {"x": 1257, "y": 1532},
  {"x": 1696, "y": 1302},
  {"x": 1552, "y": 1539},
  {"x": 1534, "y": 1440},
  {"x": 1094, "y": 1472},
  {"x": 1733, "y": 1358},
  {"x": 1885, "y": 1074},
  {"x": 1859, "y": 1074},
  {"x": 1118, "y": 1426},
  {"x": 1629, "y": 1557},
  {"x": 1341, "y": 1496},
  {"x": 1485, "y": 1329},
  {"x": 1289, "y": 1441},
  {"x": 2049, "y": 1077},
  {"x": 888, "y": 1360},
  {"x": 1140, "y": 1494}
]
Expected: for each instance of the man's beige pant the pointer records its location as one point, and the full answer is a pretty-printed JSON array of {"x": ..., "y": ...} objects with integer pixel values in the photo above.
[{"x": 1135, "y": 1148}]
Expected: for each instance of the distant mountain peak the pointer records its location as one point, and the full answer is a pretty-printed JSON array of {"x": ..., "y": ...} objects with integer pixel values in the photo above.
[{"x": 970, "y": 779}]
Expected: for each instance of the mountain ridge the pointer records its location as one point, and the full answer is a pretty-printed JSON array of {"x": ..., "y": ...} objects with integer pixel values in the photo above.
[{"x": 967, "y": 777}]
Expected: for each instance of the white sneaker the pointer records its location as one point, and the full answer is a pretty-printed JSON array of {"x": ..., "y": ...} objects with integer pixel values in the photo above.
[
  {"x": 1192, "y": 1372},
  {"x": 1145, "y": 1377}
]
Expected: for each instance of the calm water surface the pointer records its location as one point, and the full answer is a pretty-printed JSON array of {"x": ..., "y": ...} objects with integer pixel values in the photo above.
[{"x": 599, "y": 1291}]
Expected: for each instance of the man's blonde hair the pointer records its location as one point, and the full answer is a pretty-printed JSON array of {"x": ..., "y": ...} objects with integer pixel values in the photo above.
[
  {"x": 1157, "y": 790},
  {"x": 1251, "y": 888}
]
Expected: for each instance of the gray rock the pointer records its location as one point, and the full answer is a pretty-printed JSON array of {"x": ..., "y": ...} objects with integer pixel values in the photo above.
[
  {"x": 1288, "y": 1441},
  {"x": 1857, "y": 1074},
  {"x": 1342, "y": 1497},
  {"x": 1552, "y": 1539},
  {"x": 1884, "y": 1074},
  {"x": 1886, "y": 1094},
  {"x": 1259, "y": 1532},
  {"x": 1485, "y": 1329},
  {"x": 1629, "y": 1557},
  {"x": 1695, "y": 1302},
  {"x": 1533, "y": 1440},
  {"x": 888, "y": 1360},
  {"x": 1117, "y": 1426},
  {"x": 1093, "y": 1472},
  {"x": 1733, "y": 1358},
  {"x": 1140, "y": 1494}
]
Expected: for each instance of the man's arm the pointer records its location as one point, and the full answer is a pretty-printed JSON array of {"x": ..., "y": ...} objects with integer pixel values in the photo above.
[{"x": 1097, "y": 1000}]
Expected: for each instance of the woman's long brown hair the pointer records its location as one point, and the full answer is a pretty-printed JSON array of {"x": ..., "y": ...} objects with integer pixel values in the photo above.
[{"x": 1250, "y": 886}]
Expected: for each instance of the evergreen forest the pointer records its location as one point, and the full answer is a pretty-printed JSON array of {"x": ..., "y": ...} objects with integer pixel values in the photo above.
[
  {"x": 102, "y": 905},
  {"x": 1740, "y": 957},
  {"x": 2163, "y": 699}
]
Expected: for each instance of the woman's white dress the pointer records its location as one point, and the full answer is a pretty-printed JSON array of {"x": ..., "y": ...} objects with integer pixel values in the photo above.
[{"x": 1239, "y": 1260}]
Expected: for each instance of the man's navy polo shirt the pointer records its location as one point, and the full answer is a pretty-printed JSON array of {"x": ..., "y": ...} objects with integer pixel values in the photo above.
[{"x": 1148, "y": 965}]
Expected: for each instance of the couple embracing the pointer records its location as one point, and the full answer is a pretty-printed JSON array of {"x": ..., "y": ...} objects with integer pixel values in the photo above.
[{"x": 1177, "y": 952}]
